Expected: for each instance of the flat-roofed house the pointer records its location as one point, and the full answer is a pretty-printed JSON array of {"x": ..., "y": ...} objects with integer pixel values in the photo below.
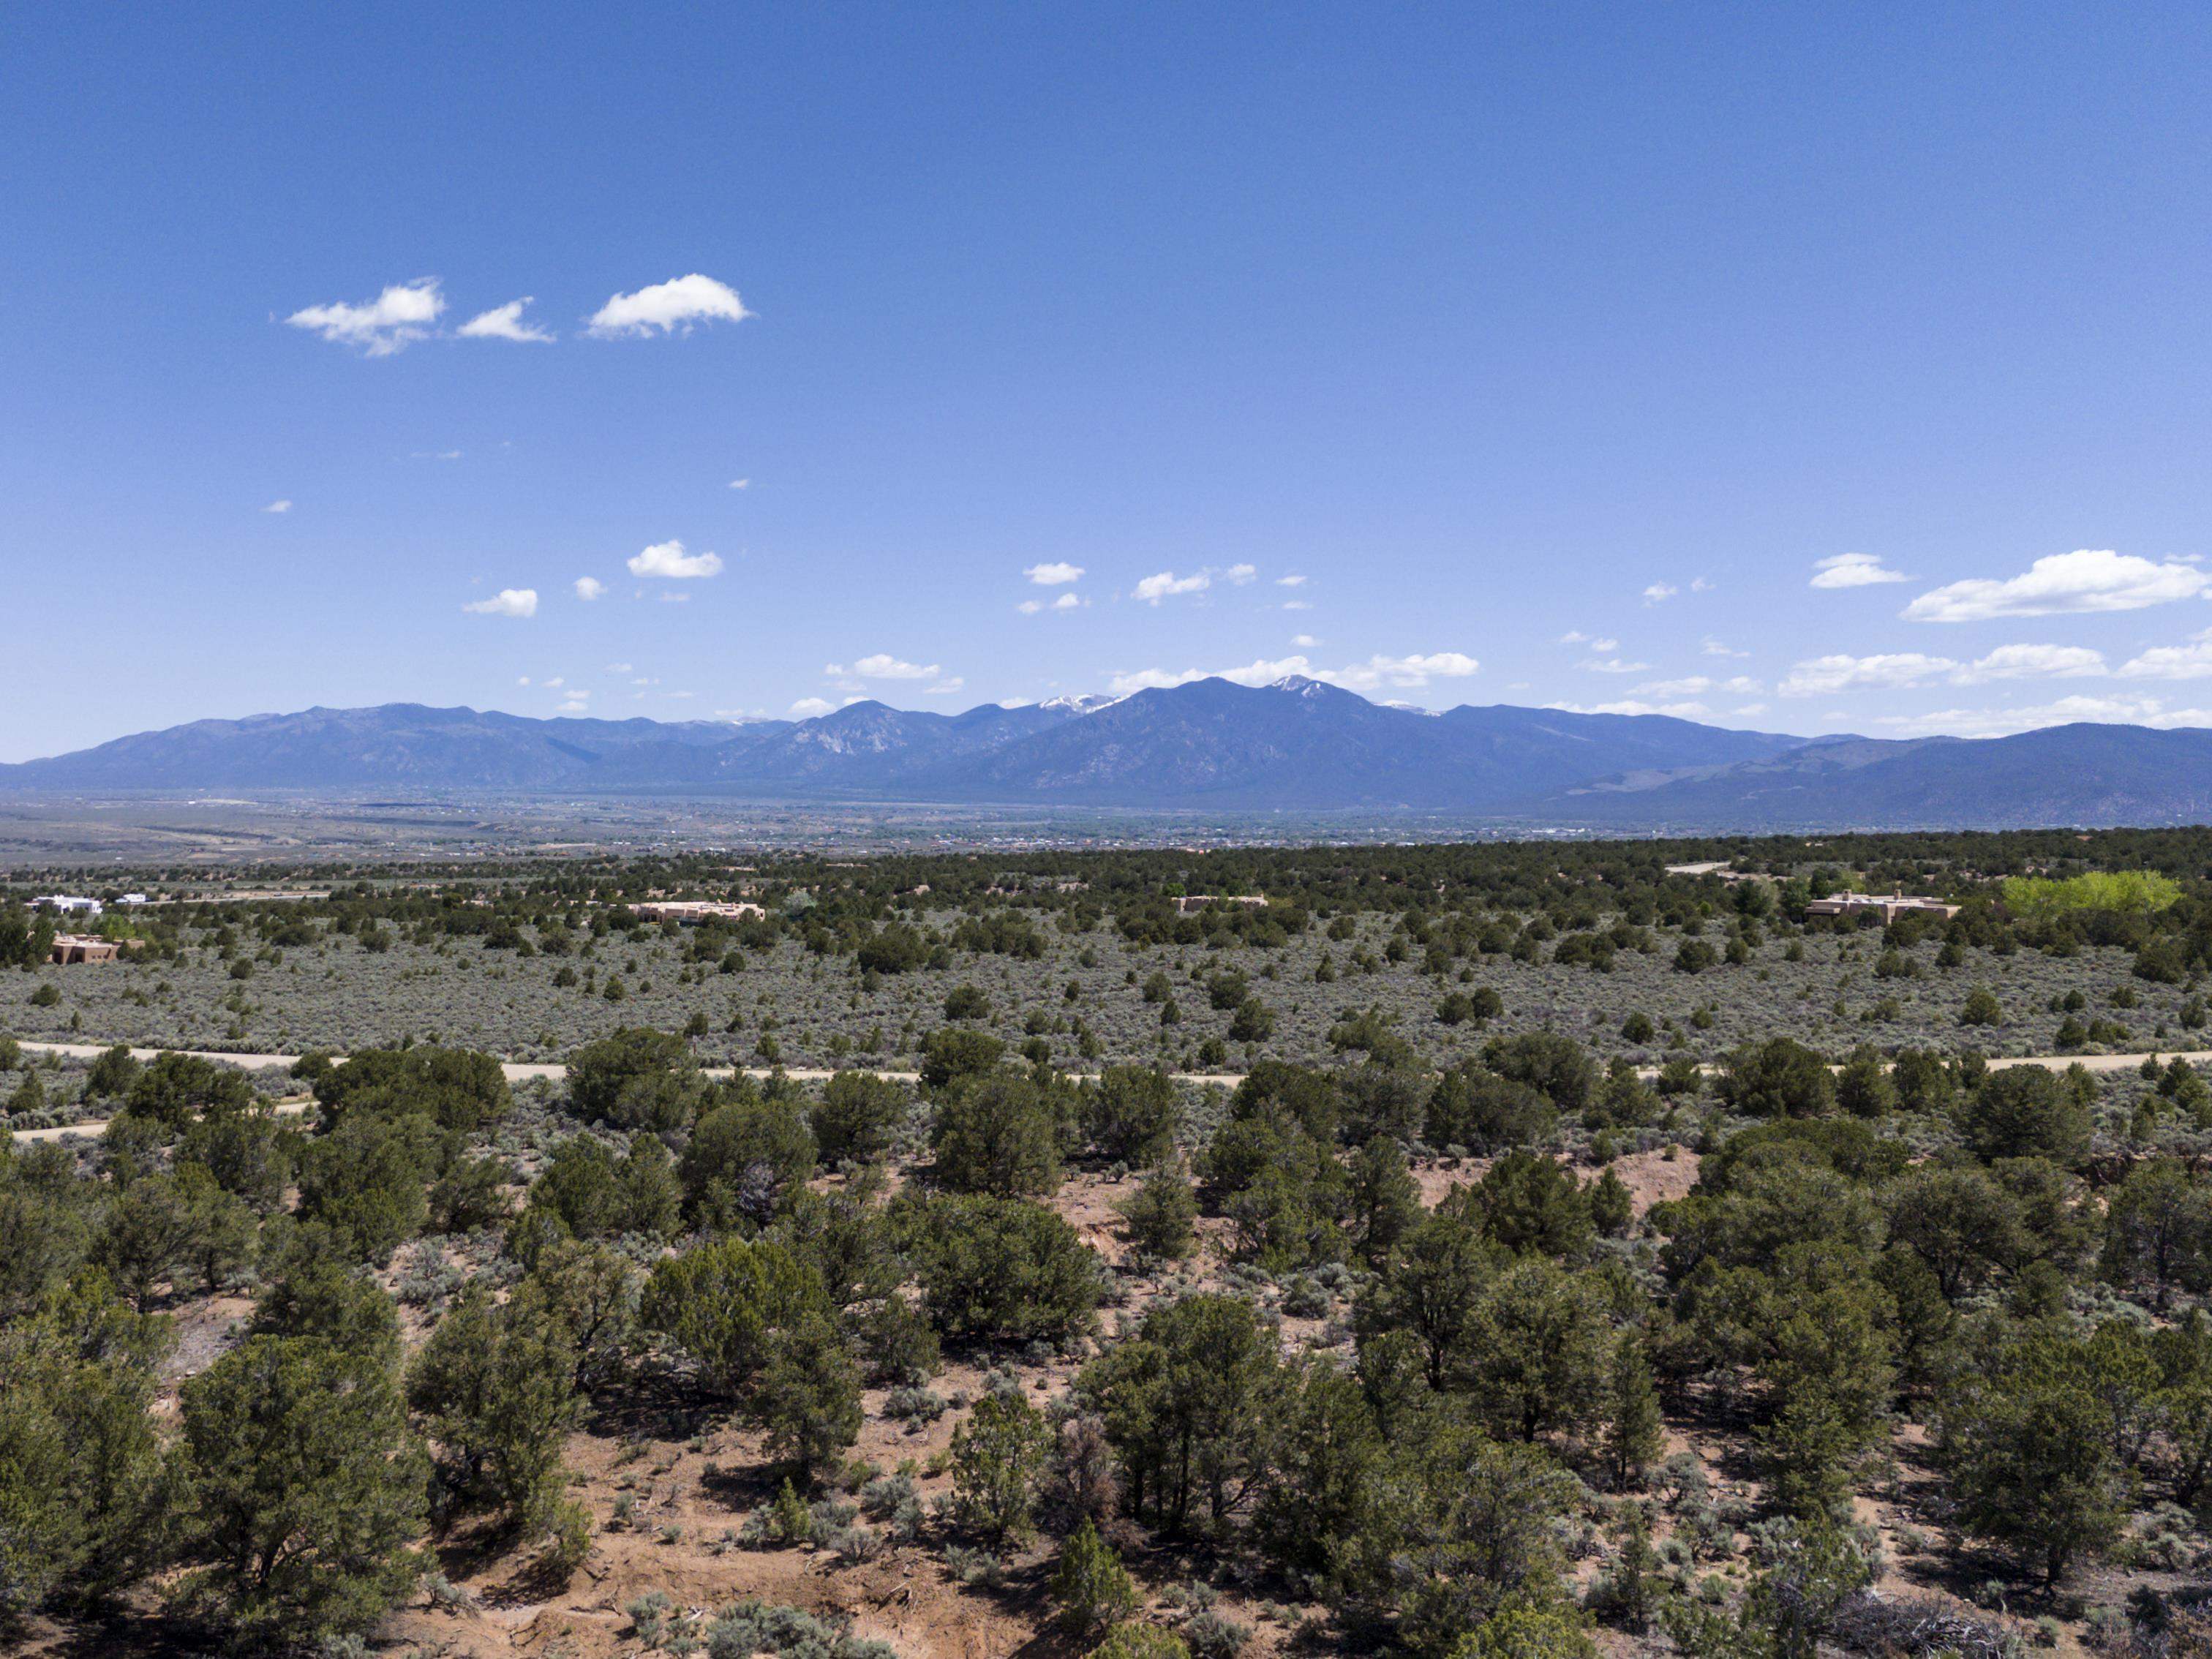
[
  {"x": 1890, "y": 906},
  {"x": 692, "y": 911},
  {"x": 83, "y": 947}
]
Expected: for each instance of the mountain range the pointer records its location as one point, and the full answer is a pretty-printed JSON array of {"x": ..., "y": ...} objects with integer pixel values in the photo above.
[{"x": 1297, "y": 744}]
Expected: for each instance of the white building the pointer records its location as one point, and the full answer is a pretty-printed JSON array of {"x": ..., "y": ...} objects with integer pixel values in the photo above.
[{"x": 68, "y": 904}]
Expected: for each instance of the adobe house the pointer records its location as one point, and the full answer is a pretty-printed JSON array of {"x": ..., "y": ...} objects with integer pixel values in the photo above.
[{"x": 83, "y": 947}]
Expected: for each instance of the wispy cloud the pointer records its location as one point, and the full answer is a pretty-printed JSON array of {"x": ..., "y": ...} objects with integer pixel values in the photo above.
[
  {"x": 2191, "y": 661},
  {"x": 1403, "y": 673},
  {"x": 507, "y": 602},
  {"x": 2087, "y": 580},
  {"x": 2003, "y": 722},
  {"x": 882, "y": 665},
  {"x": 1167, "y": 585},
  {"x": 1821, "y": 676},
  {"x": 1238, "y": 575},
  {"x": 1695, "y": 685},
  {"x": 1839, "y": 671},
  {"x": 1065, "y": 602},
  {"x": 1612, "y": 665},
  {"x": 2026, "y": 662},
  {"x": 1658, "y": 593},
  {"x": 1853, "y": 570},
  {"x": 504, "y": 323},
  {"x": 669, "y": 560},
  {"x": 673, "y": 307},
  {"x": 282, "y": 504},
  {"x": 589, "y": 588},
  {"x": 400, "y": 314},
  {"x": 1683, "y": 711}
]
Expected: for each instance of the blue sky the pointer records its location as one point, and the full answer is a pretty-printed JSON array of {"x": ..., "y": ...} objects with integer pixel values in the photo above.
[{"x": 1808, "y": 368}]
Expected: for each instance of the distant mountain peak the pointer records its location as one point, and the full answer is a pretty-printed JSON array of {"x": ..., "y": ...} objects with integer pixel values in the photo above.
[
  {"x": 1300, "y": 743},
  {"x": 1088, "y": 703}
]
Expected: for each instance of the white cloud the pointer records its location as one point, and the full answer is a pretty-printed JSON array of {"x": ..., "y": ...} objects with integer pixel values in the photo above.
[
  {"x": 575, "y": 703},
  {"x": 1290, "y": 581},
  {"x": 1818, "y": 676},
  {"x": 1296, "y": 605},
  {"x": 2001, "y": 722},
  {"x": 589, "y": 588},
  {"x": 2023, "y": 662},
  {"x": 2192, "y": 662},
  {"x": 1701, "y": 584},
  {"x": 1252, "y": 673},
  {"x": 507, "y": 602},
  {"x": 1409, "y": 672},
  {"x": 282, "y": 504},
  {"x": 1659, "y": 591},
  {"x": 1167, "y": 585},
  {"x": 668, "y": 307},
  {"x": 1406, "y": 672},
  {"x": 1576, "y": 636},
  {"x": 1301, "y": 641},
  {"x": 1681, "y": 711},
  {"x": 1241, "y": 574},
  {"x": 741, "y": 484},
  {"x": 2086, "y": 580},
  {"x": 675, "y": 599},
  {"x": 525, "y": 680},
  {"x": 1695, "y": 685},
  {"x": 807, "y": 708},
  {"x": 669, "y": 559},
  {"x": 884, "y": 666},
  {"x": 1611, "y": 666},
  {"x": 944, "y": 687},
  {"x": 1053, "y": 574},
  {"x": 1750, "y": 709},
  {"x": 504, "y": 323},
  {"x": 557, "y": 681},
  {"x": 402, "y": 313},
  {"x": 1855, "y": 570},
  {"x": 1065, "y": 602},
  {"x": 1713, "y": 647}
]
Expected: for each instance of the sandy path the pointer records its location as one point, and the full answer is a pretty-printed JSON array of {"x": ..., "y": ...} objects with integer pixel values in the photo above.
[{"x": 518, "y": 1071}]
